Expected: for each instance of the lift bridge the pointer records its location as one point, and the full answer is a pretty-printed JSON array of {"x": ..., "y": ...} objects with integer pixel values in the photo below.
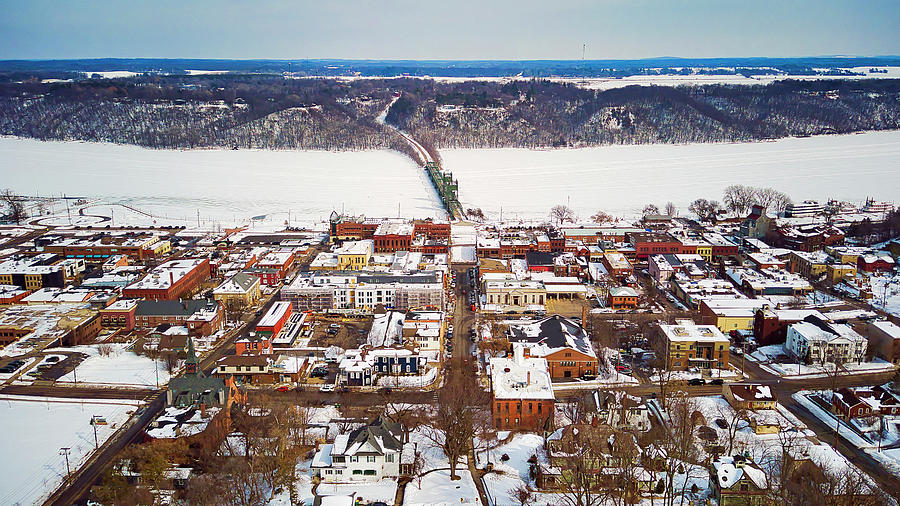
[{"x": 447, "y": 188}]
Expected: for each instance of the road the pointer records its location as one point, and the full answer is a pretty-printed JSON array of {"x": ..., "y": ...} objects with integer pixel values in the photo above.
[{"x": 79, "y": 488}]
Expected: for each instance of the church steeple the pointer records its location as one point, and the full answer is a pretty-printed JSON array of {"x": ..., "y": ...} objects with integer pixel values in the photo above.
[{"x": 190, "y": 364}]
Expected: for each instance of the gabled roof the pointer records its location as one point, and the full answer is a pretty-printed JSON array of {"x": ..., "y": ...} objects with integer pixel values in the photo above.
[
  {"x": 552, "y": 333},
  {"x": 380, "y": 435}
]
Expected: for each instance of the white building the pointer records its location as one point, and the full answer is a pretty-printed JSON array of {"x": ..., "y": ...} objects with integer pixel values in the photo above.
[
  {"x": 816, "y": 341},
  {"x": 369, "y": 453}
]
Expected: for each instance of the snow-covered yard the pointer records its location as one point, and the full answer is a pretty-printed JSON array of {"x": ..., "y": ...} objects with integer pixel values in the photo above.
[
  {"x": 438, "y": 490},
  {"x": 34, "y": 429},
  {"x": 120, "y": 367},
  {"x": 775, "y": 360},
  {"x": 383, "y": 490}
]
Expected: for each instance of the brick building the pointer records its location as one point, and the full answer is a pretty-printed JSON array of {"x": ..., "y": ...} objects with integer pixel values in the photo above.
[
  {"x": 522, "y": 393},
  {"x": 563, "y": 343},
  {"x": 202, "y": 316},
  {"x": 170, "y": 280},
  {"x": 391, "y": 237}
]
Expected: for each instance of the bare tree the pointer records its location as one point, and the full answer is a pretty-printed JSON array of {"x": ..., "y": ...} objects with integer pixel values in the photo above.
[
  {"x": 522, "y": 495},
  {"x": 457, "y": 415},
  {"x": 602, "y": 217},
  {"x": 561, "y": 214},
  {"x": 671, "y": 210},
  {"x": 771, "y": 198},
  {"x": 580, "y": 455},
  {"x": 650, "y": 209},
  {"x": 704, "y": 209},
  {"x": 738, "y": 198},
  {"x": 16, "y": 206}
]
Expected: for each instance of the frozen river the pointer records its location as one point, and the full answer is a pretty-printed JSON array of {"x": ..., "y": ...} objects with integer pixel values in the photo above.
[
  {"x": 223, "y": 185},
  {"x": 622, "y": 179},
  {"x": 232, "y": 186}
]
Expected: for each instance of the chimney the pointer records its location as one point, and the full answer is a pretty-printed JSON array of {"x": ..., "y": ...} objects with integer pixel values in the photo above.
[
  {"x": 528, "y": 378},
  {"x": 203, "y": 410},
  {"x": 171, "y": 278}
]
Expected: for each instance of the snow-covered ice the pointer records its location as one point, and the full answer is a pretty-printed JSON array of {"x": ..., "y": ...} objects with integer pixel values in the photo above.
[
  {"x": 622, "y": 179},
  {"x": 229, "y": 186}
]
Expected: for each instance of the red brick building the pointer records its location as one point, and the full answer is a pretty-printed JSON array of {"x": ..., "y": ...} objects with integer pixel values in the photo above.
[
  {"x": 170, "y": 280},
  {"x": 260, "y": 344},
  {"x": 119, "y": 314},
  {"x": 650, "y": 243},
  {"x": 622, "y": 297},
  {"x": 267, "y": 277},
  {"x": 522, "y": 394},
  {"x": 274, "y": 320},
  {"x": 201, "y": 316},
  {"x": 563, "y": 343},
  {"x": 391, "y": 237}
]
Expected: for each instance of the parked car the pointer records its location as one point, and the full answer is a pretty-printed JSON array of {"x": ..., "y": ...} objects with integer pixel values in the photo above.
[
  {"x": 319, "y": 372},
  {"x": 385, "y": 390},
  {"x": 283, "y": 388},
  {"x": 717, "y": 381},
  {"x": 326, "y": 388},
  {"x": 696, "y": 381}
]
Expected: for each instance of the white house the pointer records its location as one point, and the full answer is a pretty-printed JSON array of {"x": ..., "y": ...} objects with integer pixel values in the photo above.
[
  {"x": 369, "y": 453},
  {"x": 816, "y": 341}
]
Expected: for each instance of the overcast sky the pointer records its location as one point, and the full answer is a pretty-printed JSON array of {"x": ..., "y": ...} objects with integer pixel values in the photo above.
[{"x": 447, "y": 29}]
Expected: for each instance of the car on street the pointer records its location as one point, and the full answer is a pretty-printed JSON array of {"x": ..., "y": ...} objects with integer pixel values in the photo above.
[
  {"x": 696, "y": 381},
  {"x": 716, "y": 381},
  {"x": 283, "y": 388}
]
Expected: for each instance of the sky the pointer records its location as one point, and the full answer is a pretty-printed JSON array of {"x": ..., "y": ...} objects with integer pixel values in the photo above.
[{"x": 447, "y": 29}]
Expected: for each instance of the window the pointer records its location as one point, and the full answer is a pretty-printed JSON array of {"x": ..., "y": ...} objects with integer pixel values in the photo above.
[
  {"x": 389, "y": 457},
  {"x": 354, "y": 459},
  {"x": 369, "y": 472},
  {"x": 539, "y": 407},
  {"x": 357, "y": 471},
  {"x": 370, "y": 458}
]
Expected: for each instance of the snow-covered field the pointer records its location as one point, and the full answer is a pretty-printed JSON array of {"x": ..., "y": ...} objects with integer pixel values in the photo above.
[
  {"x": 35, "y": 429},
  {"x": 120, "y": 367},
  {"x": 622, "y": 179},
  {"x": 224, "y": 185}
]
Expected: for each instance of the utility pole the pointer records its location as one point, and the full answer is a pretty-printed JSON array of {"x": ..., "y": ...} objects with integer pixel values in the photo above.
[
  {"x": 94, "y": 424},
  {"x": 65, "y": 452}
]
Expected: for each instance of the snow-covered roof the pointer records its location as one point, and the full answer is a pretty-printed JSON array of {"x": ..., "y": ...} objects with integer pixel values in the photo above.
[
  {"x": 551, "y": 334},
  {"x": 693, "y": 333},
  {"x": 729, "y": 472},
  {"x": 520, "y": 378}
]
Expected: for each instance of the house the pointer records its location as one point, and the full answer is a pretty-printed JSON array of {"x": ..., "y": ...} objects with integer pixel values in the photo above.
[
  {"x": 522, "y": 393},
  {"x": 884, "y": 338},
  {"x": 817, "y": 341},
  {"x": 618, "y": 410},
  {"x": 865, "y": 401},
  {"x": 120, "y": 314},
  {"x": 835, "y": 273},
  {"x": 659, "y": 268},
  {"x": 847, "y": 404},
  {"x": 757, "y": 225},
  {"x": 738, "y": 481},
  {"x": 424, "y": 328},
  {"x": 369, "y": 453},
  {"x": 875, "y": 262},
  {"x": 240, "y": 291},
  {"x": 622, "y": 297},
  {"x": 686, "y": 345},
  {"x": 356, "y": 369},
  {"x": 282, "y": 260},
  {"x": 617, "y": 265},
  {"x": 564, "y": 344},
  {"x": 398, "y": 361},
  {"x": 749, "y": 396},
  {"x": 246, "y": 369}
]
